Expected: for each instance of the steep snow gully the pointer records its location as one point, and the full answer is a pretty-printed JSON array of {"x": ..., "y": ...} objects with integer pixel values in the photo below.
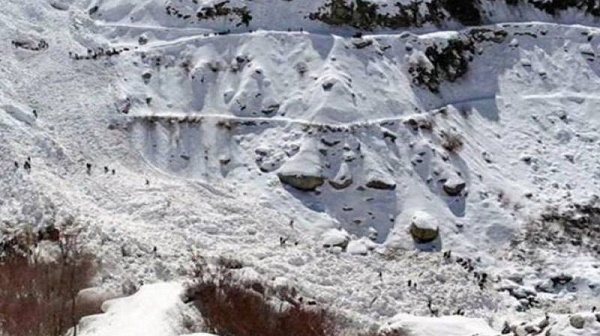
[{"x": 344, "y": 149}]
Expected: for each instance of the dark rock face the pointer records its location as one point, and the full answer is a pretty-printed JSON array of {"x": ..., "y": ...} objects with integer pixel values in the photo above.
[
  {"x": 342, "y": 184},
  {"x": 555, "y": 7},
  {"x": 449, "y": 63},
  {"x": 454, "y": 188},
  {"x": 381, "y": 185},
  {"x": 463, "y": 11},
  {"x": 366, "y": 15},
  {"x": 301, "y": 182},
  {"x": 221, "y": 9}
]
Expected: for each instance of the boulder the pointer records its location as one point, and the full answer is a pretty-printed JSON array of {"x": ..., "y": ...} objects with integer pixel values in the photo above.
[
  {"x": 357, "y": 247},
  {"x": 454, "y": 186},
  {"x": 381, "y": 184},
  {"x": 301, "y": 182},
  {"x": 376, "y": 175},
  {"x": 577, "y": 321},
  {"x": 423, "y": 227},
  {"x": 336, "y": 238},
  {"x": 343, "y": 178},
  {"x": 303, "y": 171}
]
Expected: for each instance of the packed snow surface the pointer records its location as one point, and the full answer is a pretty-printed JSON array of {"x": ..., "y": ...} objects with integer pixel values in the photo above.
[
  {"x": 166, "y": 137},
  {"x": 155, "y": 310}
]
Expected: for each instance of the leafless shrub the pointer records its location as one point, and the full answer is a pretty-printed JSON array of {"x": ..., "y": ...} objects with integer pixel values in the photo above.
[
  {"x": 229, "y": 308},
  {"x": 226, "y": 124},
  {"x": 452, "y": 142},
  {"x": 465, "y": 111},
  {"x": 37, "y": 295},
  {"x": 575, "y": 227}
]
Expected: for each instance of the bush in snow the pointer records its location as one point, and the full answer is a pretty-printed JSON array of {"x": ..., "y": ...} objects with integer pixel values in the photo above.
[
  {"x": 451, "y": 142},
  {"x": 37, "y": 293},
  {"x": 232, "y": 308}
]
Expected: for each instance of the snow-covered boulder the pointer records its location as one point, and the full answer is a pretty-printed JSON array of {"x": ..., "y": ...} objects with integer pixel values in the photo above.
[
  {"x": 361, "y": 246},
  {"x": 376, "y": 176},
  {"x": 454, "y": 186},
  {"x": 335, "y": 238},
  {"x": 304, "y": 170},
  {"x": 423, "y": 227},
  {"x": 343, "y": 178}
]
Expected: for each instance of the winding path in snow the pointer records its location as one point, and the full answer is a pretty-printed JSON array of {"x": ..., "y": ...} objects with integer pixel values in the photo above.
[{"x": 252, "y": 121}]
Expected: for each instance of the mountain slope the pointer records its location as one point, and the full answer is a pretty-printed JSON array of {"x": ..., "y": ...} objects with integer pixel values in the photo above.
[{"x": 219, "y": 134}]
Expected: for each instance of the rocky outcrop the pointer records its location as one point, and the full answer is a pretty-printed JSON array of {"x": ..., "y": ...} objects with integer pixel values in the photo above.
[
  {"x": 367, "y": 15},
  {"x": 447, "y": 62}
]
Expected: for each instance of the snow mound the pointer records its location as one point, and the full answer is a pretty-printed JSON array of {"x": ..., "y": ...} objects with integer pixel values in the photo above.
[
  {"x": 155, "y": 310},
  {"x": 445, "y": 325}
]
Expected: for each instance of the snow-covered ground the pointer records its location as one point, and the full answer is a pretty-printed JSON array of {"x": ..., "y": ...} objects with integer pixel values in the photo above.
[{"x": 190, "y": 134}]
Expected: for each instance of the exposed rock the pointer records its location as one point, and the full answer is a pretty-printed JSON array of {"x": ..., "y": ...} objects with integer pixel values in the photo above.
[
  {"x": 271, "y": 109},
  {"x": 59, "y": 5},
  {"x": 545, "y": 286},
  {"x": 143, "y": 39},
  {"x": 343, "y": 178},
  {"x": 363, "y": 44},
  {"x": 447, "y": 62},
  {"x": 577, "y": 321},
  {"x": 454, "y": 186},
  {"x": 381, "y": 184},
  {"x": 300, "y": 181},
  {"x": 561, "y": 279},
  {"x": 521, "y": 292},
  {"x": 146, "y": 76},
  {"x": 423, "y": 227},
  {"x": 417, "y": 122}
]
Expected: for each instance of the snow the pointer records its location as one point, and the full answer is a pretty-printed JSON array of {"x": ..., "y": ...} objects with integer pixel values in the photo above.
[
  {"x": 153, "y": 310},
  {"x": 445, "y": 325},
  {"x": 198, "y": 154}
]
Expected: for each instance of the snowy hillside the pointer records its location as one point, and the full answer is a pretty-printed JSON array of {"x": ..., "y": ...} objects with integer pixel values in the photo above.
[{"x": 395, "y": 160}]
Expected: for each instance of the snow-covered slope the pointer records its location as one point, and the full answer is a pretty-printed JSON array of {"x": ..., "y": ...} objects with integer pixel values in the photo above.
[{"x": 225, "y": 135}]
